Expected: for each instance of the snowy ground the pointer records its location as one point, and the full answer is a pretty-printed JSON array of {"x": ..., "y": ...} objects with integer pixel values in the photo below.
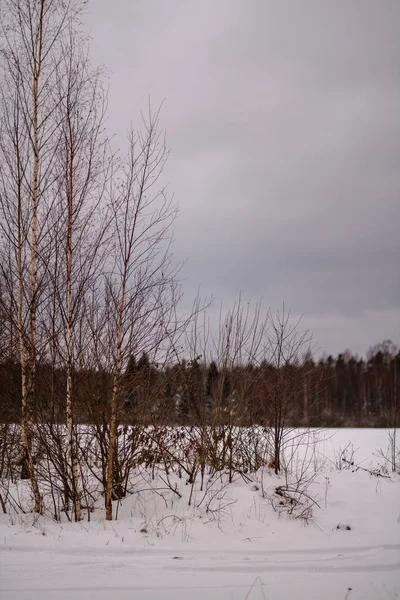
[{"x": 244, "y": 550}]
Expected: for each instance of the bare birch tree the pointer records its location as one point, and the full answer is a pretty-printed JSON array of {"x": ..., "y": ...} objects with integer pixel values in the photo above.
[
  {"x": 84, "y": 164},
  {"x": 142, "y": 285},
  {"x": 286, "y": 348}
]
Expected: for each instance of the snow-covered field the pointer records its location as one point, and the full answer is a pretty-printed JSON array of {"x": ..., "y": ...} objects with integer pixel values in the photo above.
[{"x": 229, "y": 543}]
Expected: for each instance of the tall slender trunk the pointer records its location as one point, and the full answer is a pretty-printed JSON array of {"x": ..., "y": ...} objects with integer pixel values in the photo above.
[
  {"x": 114, "y": 403},
  {"x": 30, "y": 379},
  {"x": 70, "y": 359},
  {"x": 35, "y": 210},
  {"x": 26, "y": 436}
]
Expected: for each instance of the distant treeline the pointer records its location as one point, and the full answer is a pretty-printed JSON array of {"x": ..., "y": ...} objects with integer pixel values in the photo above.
[{"x": 342, "y": 391}]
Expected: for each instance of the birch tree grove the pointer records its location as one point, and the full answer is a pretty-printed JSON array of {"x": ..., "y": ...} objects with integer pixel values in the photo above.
[
  {"x": 85, "y": 236},
  {"x": 52, "y": 179},
  {"x": 29, "y": 149}
]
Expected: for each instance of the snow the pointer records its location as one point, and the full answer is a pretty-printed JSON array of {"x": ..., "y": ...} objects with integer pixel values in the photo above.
[{"x": 162, "y": 548}]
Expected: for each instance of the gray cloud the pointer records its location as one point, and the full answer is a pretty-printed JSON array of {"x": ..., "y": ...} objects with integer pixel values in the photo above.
[{"x": 284, "y": 125}]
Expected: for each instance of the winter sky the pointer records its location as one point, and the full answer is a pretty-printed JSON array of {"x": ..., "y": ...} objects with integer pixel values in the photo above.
[{"x": 283, "y": 120}]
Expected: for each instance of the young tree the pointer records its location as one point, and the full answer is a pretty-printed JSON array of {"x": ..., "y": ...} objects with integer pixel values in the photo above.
[
  {"x": 142, "y": 284},
  {"x": 284, "y": 377},
  {"x": 84, "y": 163}
]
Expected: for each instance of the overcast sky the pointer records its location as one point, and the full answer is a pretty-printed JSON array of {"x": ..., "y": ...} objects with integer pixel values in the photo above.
[{"x": 283, "y": 120}]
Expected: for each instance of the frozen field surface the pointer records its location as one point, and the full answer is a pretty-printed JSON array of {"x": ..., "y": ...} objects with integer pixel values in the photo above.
[{"x": 245, "y": 550}]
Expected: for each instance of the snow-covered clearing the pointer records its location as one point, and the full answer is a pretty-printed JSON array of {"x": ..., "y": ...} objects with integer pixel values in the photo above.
[{"x": 229, "y": 544}]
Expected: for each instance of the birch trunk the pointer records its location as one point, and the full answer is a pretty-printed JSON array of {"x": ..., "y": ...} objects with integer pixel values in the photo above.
[
  {"x": 69, "y": 334},
  {"x": 31, "y": 380},
  {"x": 114, "y": 403},
  {"x": 26, "y": 418}
]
